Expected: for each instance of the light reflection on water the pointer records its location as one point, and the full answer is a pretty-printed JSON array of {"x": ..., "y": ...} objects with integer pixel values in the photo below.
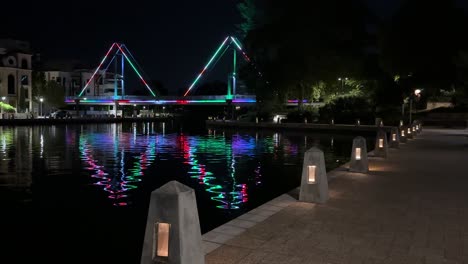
[
  {"x": 228, "y": 169},
  {"x": 83, "y": 176}
]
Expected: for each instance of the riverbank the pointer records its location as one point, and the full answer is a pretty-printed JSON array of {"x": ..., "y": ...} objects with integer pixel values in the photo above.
[
  {"x": 295, "y": 126},
  {"x": 402, "y": 211},
  {"x": 90, "y": 120}
]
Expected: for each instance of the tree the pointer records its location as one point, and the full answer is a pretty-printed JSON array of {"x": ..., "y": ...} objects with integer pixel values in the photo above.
[
  {"x": 301, "y": 44},
  {"x": 52, "y": 92},
  {"x": 248, "y": 12},
  {"x": 420, "y": 43}
]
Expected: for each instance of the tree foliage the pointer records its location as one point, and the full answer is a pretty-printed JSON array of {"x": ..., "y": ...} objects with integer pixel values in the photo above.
[
  {"x": 303, "y": 47},
  {"x": 52, "y": 92},
  {"x": 421, "y": 44}
]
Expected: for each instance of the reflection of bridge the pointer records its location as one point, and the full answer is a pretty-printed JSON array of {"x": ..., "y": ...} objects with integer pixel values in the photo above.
[{"x": 163, "y": 100}]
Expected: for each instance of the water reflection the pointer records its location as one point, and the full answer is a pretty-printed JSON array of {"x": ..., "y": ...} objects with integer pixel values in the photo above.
[
  {"x": 122, "y": 161},
  {"x": 118, "y": 160}
]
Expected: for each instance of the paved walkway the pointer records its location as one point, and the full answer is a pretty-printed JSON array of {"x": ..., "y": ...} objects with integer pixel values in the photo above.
[{"x": 411, "y": 208}]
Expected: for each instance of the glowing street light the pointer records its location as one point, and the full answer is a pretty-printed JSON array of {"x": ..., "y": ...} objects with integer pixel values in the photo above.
[
  {"x": 41, "y": 100},
  {"x": 417, "y": 94},
  {"x": 342, "y": 80},
  {"x": 1, "y": 108}
]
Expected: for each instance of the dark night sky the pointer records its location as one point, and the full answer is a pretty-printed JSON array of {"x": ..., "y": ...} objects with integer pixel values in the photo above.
[{"x": 172, "y": 40}]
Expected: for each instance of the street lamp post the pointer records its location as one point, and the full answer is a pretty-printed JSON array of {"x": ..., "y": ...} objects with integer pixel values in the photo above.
[
  {"x": 1, "y": 108},
  {"x": 41, "y": 100},
  {"x": 342, "y": 80},
  {"x": 417, "y": 94}
]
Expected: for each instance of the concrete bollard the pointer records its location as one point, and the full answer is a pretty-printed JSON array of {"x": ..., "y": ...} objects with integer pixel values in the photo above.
[
  {"x": 394, "y": 138},
  {"x": 314, "y": 182},
  {"x": 409, "y": 132},
  {"x": 359, "y": 161},
  {"x": 172, "y": 228},
  {"x": 403, "y": 138},
  {"x": 381, "y": 145}
]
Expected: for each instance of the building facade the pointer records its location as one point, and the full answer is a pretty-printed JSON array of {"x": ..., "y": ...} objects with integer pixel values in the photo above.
[
  {"x": 74, "y": 82},
  {"x": 15, "y": 74}
]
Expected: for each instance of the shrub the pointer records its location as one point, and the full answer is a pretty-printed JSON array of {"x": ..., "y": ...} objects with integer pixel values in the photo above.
[{"x": 345, "y": 110}]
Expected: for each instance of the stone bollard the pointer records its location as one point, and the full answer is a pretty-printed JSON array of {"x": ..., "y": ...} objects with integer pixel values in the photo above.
[
  {"x": 409, "y": 132},
  {"x": 394, "y": 138},
  {"x": 403, "y": 138},
  {"x": 381, "y": 146},
  {"x": 314, "y": 182},
  {"x": 172, "y": 228},
  {"x": 359, "y": 161}
]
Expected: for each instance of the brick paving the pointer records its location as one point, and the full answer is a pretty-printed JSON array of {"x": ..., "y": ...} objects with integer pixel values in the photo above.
[{"x": 410, "y": 208}]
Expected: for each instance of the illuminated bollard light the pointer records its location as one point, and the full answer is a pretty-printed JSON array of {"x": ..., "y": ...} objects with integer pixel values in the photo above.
[
  {"x": 172, "y": 228},
  {"x": 394, "y": 138},
  {"x": 332, "y": 122},
  {"x": 256, "y": 120},
  {"x": 359, "y": 161},
  {"x": 403, "y": 138},
  {"x": 409, "y": 132},
  {"x": 417, "y": 125},
  {"x": 358, "y": 122},
  {"x": 381, "y": 146},
  {"x": 305, "y": 120},
  {"x": 401, "y": 123},
  {"x": 314, "y": 182}
]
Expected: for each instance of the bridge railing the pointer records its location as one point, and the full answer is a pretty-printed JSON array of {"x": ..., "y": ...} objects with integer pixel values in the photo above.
[{"x": 149, "y": 98}]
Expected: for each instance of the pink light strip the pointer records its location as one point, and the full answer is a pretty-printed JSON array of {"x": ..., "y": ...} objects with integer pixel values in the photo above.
[{"x": 97, "y": 69}]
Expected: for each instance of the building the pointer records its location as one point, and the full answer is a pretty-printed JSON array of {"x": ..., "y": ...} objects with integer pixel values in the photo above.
[
  {"x": 74, "y": 82},
  {"x": 15, "y": 74}
]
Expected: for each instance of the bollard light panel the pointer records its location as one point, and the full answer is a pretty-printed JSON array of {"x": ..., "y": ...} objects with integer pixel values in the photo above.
[
  {"x": 358, "y": 153},
  {"x": 311, "y": 174},
  {"x": 161, "y": 240},
  {"x": 402, "y": 133},
  {"x": 381, "y": 123},
  {"x": 393, "y": 137},
  {"x": 380, "y": 142},
  {"x": 401, "y": 123},
  {"x": 332, "y": 121},
  {"x": 358, "y": 122},
  {"x": 409, "y": 130}
]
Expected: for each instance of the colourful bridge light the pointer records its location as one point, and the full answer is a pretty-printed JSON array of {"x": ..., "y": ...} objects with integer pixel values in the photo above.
[
  {"x": 136, "y": 71},
  {"x": 97, "y": 69},
  {"x": 206, "y": 67}
]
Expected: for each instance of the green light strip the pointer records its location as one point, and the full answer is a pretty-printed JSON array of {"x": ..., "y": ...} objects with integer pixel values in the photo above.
[
  {"x": 206, "y": 67},
  {"x": 136, "y": 71}
]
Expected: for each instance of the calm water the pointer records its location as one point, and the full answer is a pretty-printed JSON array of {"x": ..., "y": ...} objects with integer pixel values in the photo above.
[{"x": 82, "y": 192}]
